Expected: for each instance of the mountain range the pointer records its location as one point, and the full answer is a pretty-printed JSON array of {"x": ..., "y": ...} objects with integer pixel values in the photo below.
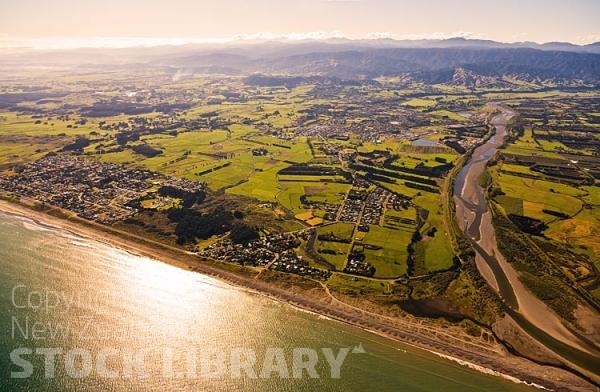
[{"x": 457, "y": 60}]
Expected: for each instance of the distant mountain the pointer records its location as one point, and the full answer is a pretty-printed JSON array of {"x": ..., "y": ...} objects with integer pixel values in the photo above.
[
  {"x": 435, "y": 65},
  {"x": 467, "y": 43},
  {"x": 470, "y": 79},
  {"x": 462, "y": 61}
]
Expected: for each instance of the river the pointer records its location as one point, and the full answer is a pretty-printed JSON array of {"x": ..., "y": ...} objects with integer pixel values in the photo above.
[
  {"x": 475, "y": 220},
  {"x": 107, "y": 299}
]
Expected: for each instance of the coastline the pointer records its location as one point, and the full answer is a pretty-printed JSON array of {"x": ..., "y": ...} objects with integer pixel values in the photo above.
[{"x": 506, "y": 365}]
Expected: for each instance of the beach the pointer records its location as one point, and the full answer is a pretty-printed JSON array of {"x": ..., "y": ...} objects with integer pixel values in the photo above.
[{"x": 445, "y": 342}]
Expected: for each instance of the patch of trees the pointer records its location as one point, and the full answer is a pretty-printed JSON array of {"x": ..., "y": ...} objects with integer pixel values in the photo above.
[
  {"x": 189, "y": 198},
  {"x": 431, "y": 232},
  {"x": 452, "y": 143},
  {"x": 242, "y": 233},
  {"x": 146, "y": 150},
  {"x": 376, "y": 177},
  {"x": 304, "y": 200},
  {"x": 435, "y": 307},
  {"x": 560, "y": 171},
  {"x": 435, "y": 171},
  {"x": 528, "y": 225},
  {"x": 346, "y": 180},
  {"x": 496, "y": 191},
  {"x": 421, "y": 187},
  {"x": 356, "y": 194},
  {"x": 557, "y": 214},
  {"x": 209, "y": 114},
  {"x": 77, "y": 145},
  {"x": 213, "y": 169},
  {"x": 331, "y": 237},
  {"x": 382, "y": 172},
  {"x": 552, "y": 291},
  {"x": 476, "y": 131},
  {"x": 124, "y": 137},
  {"x": 310, "y": 170},
  {"x": 193, "y": 225},
  {"x": 259, "y": 152},
  {"x": 411, "y": 248},
  {"x": 109, "y": 109}
]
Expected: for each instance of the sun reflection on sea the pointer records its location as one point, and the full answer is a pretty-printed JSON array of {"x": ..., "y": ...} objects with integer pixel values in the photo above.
[{"x": 163, "y": 299}]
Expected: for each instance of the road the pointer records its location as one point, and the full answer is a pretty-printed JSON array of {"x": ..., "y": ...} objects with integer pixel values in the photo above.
[{"x": 475, "y": 220}]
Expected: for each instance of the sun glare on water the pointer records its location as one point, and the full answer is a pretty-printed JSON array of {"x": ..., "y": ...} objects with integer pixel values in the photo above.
[{"x": 171, "y": 296}]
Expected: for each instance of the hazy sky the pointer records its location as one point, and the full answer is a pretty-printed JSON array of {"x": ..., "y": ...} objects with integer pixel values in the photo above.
[{"x": 85, "y": 21}]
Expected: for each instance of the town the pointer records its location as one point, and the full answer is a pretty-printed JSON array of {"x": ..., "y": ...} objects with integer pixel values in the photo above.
[{"x": 102, "y": 192}]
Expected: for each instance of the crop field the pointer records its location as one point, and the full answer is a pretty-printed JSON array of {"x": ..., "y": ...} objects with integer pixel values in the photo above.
[
  {"x": 351, "y": 285},
  {"x": 528, "y": 145},
  {"x": 341, "y": 230},
  {"x": 518, "y": 169},
  {"x": 390, "y": 259},
  {"x": 398, "y": 219},
  {"x": 413, "y": 157},
  {"x": 22, "y": 149},
  {"x": 335, "y": 249},
  {"x": 18, "y": 124},
  {"x": 593, "y": 195},
  {"x": 581, "y": 231},
  {"x": 434, "y": 253},
  {"x": 420, "y": 103},
  {"x": 537, "y": 195},
  {"x": 324, "y": 192},
  {"x": 334, "y": 252},
  {"x": 448, "y": 114},
  {"x": 261, "y": 184}
]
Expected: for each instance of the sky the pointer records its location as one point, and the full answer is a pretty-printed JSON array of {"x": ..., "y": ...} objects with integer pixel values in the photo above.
[{"x": 76, "y": 23}]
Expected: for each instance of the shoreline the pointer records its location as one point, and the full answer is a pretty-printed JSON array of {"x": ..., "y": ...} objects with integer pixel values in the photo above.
[{"x": 506, "y": 366}]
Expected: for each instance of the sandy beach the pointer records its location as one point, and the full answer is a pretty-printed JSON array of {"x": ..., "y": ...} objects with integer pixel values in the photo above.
[{"x": 449, "y": 343}]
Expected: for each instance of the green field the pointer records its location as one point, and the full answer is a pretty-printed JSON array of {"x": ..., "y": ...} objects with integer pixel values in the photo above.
[
  {"x": 354, "y": 285},
  {"x": 341, "y": 230},
  {"x": 325, "y": 192},
  {"x": 582, "y": 231},
  {"x": 420, "y": 103},
  {"x": 390, "y": 260},
  {"x": 435, "y": 253},
  {"x": 448, "y": 114},
  {"x": 537, "y": 195}
]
